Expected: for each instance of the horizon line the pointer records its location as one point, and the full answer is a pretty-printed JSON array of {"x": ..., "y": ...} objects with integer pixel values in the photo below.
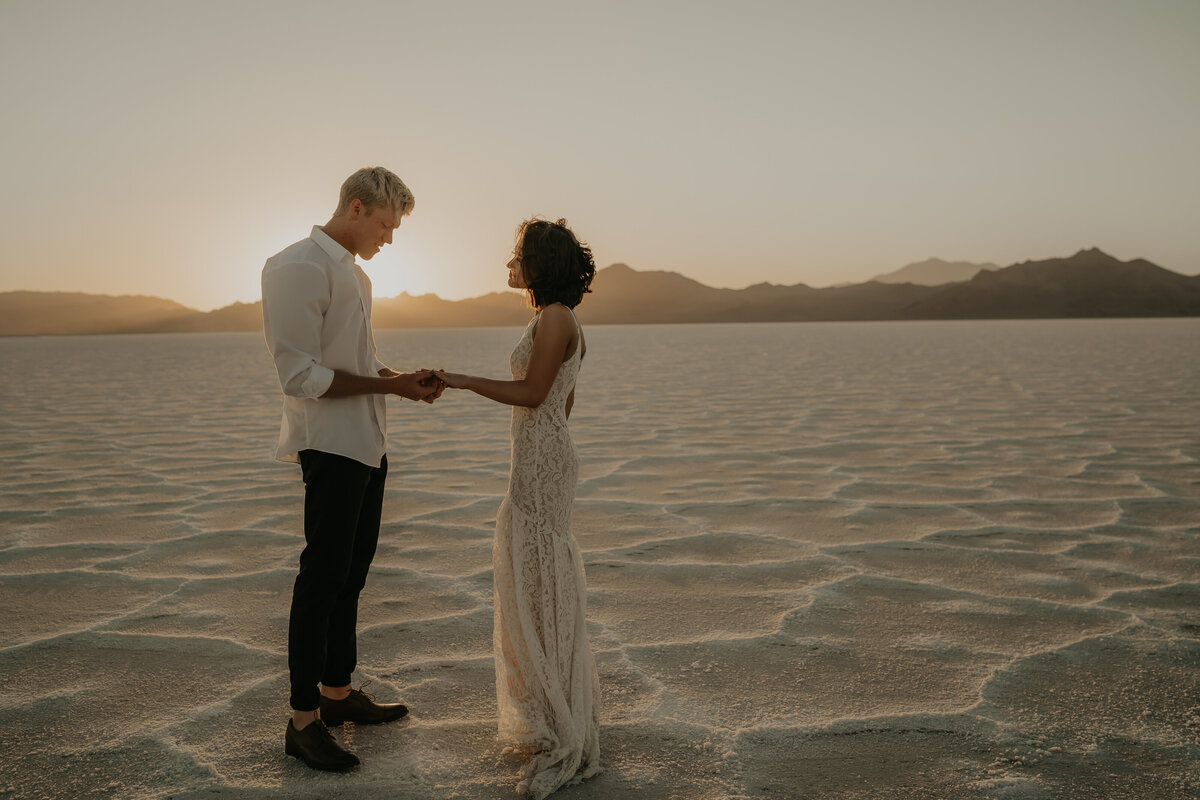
[{"x": 505, "y": 290}]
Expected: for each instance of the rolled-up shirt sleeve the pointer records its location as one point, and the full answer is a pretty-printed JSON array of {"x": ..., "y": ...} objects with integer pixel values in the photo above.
[{"x": 295, "y": 297}]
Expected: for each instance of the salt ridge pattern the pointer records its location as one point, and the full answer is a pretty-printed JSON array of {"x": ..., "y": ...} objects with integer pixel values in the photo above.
[{"x": 911, "y": 560}]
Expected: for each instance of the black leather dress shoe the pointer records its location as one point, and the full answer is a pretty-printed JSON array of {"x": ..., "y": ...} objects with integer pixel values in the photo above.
[
  {"x": 359, "y": 708},
  {"x": 315, "y": 746}
]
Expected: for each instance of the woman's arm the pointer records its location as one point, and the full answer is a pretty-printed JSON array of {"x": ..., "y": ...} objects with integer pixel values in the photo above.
[{"x": 551, "y": 339}]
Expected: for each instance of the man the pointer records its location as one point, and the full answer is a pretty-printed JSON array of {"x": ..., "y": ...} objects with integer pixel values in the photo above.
[{"x": 317, "y": 322}]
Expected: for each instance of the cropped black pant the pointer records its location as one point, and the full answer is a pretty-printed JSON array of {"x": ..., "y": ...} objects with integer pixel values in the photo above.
[{"x": 343, "y": 501}]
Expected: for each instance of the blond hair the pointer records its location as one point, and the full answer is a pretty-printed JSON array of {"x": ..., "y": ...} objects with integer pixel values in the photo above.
[{"x": 374, "y": 187}]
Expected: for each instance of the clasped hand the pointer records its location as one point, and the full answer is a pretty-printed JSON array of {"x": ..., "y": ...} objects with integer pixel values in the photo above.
[{"x": 423, "y": 384}]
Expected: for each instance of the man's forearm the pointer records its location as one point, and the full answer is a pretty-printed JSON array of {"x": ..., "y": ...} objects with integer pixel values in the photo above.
[{"x": 347, "y": 384}]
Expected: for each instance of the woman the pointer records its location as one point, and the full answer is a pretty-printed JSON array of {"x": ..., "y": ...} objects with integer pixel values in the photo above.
[{"x": 546, "y": 687}]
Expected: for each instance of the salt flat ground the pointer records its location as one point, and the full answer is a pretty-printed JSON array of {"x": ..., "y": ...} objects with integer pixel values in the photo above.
[{"x": 852, "y": 560}]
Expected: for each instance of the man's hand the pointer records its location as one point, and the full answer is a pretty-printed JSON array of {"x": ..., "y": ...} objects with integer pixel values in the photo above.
[
  {"x": 439, "y": 384},
  {"x": 420, "y": 385}
]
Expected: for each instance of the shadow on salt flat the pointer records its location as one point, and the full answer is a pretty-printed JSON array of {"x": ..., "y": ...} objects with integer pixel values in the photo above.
[
  {"x": 654, "y": 761},
  {"x": 1103, "y": 705},
  {"x": 134, "y": 767},
  {"x": 1169, "y": 608},
  {"x": 1167, "y": 512},
  {"x": 905, "y": 758},
  {"x": 112, "y": 691},
  {"x": 1167, "y": 555}
]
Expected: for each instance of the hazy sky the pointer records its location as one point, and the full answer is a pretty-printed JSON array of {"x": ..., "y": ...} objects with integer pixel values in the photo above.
[{"x": 168, "y": 148}]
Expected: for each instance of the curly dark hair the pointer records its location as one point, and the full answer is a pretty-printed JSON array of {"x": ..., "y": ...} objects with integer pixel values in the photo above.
[{"x": 557, "y": 267}]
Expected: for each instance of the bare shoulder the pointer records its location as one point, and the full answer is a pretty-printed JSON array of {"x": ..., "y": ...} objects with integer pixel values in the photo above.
[
  {"x": 558, "y": 314},
  {"x": 558, "y": 319}
]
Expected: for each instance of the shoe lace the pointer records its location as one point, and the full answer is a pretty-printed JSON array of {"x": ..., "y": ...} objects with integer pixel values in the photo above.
[
  {"x": 319, "y": 727},
  {"x": 323, "y": 729},
  {"x": 362, "y": 690}
]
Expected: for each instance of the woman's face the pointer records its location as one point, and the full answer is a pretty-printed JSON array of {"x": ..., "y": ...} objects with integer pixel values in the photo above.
[{"x": 516, "y": 277}]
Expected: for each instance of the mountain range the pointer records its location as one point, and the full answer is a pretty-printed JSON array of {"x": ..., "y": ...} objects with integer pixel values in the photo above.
[
  {"x": 934, "y": 272},
  {"x": 1090, "y": 283}
]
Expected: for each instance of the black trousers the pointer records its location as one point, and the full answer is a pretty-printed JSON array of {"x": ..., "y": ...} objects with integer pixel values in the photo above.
[{"x": 343, "y": 501}]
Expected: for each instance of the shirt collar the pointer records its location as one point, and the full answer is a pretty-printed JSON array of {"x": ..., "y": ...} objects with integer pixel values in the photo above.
[{"x": 339, "y": 254}]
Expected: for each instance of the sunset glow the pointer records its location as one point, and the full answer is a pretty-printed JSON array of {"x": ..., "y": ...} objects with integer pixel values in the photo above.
[{"x": 160, "y": 149}]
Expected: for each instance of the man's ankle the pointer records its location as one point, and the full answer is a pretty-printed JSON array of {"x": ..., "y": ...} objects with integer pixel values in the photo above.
[
  {"x": 335, "y": 692},
  {"x": 302, "y": 719}
]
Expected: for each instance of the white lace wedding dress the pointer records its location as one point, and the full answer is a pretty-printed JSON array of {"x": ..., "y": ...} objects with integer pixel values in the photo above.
[{"x": 546, "y": 686}]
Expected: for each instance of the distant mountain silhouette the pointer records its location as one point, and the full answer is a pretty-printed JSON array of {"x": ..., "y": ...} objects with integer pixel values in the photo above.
[
  {"x": 934, "y": 272},
  {"x": 76, "y": 312},
  {"x": 431, "y": 311},
  {"x": 1088, "y": 284}
]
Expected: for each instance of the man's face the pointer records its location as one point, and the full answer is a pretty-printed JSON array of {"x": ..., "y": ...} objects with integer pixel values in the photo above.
[{"x": 374, "y": 230}]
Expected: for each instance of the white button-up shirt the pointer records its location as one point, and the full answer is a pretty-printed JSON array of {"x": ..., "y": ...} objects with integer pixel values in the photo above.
[{"x": 316, "y": 305}]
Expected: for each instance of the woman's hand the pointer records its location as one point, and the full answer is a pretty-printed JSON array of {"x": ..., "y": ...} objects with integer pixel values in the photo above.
[{"x": 454, "y": 380}]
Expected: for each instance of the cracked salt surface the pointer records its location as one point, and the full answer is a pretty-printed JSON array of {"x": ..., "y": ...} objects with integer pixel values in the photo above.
[{"x": 836, "y": 571}]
